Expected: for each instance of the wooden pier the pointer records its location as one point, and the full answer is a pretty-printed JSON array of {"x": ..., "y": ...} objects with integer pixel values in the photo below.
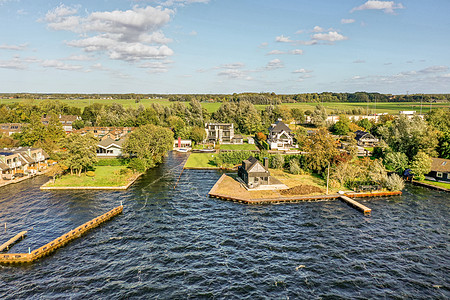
[
  {"x": 356, "y": 205},
  {"x": 12, "y": 241},
  {"x": 48, "y": 248}
]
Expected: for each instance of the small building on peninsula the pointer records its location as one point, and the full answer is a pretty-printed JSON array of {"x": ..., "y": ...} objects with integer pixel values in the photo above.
[
  {"x": 254, "y": 173},
  {"x": 440, "y": 170}
]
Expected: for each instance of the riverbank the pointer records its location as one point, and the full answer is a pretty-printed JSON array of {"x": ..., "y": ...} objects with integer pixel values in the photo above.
[
  {"x": 20, "y": 179},
  {"x": 105, "y": 178}
]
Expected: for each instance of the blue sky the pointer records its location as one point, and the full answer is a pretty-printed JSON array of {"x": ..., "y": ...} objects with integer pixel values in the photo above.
[{"x": 225, "y": 46}]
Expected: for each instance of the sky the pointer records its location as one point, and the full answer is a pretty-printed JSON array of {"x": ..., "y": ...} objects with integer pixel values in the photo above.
[{"x": 224, "y": 46}]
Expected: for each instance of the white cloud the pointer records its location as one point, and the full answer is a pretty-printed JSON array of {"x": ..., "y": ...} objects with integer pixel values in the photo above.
[
  {"x": 129, "y": 35},
  {"x": 359, "y": 61},
  {"x": 237, "y": 65},
  {"x": 387, "y": 6},
  {"x": 296, "y": 52},
  {"x": 80, "y": 57},
  {"x": 299, "y": 31},
  {"x": 317, "y": 29},
  {"x": 193, "y": 33},
  {"x": 302, "y": 71},
  {"x": 347, "y": 21},
  {"x": 274, "y": 64},
  {"x": 57, "y": 64},
  {"x": 156, "y": 66},
  {"x": 18, "y": 63},
  {"x": 263, "y": 45},
  {"x": 434, "y": 69},
  {"x": 233, "y": 74},
  {"x": 275, "y": 52},
  {"x": 331, "y": 36},
  {"x": 182, "y": 2},
  {"x": 13, "y": 47},
  {"x": 283, "y": 39}
]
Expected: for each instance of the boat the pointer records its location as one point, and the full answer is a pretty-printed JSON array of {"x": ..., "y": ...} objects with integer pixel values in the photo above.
[{"x": 182, "y": 150}]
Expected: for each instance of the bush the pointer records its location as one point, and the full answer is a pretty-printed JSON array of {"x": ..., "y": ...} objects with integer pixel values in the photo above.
[
  {"x": 394, "y": 183},
  {"x": 90, "y": 173},
  {"x": 294, "y": 167},
  {"x": 278, "y": 161},
  {"x": 138, "y": 164},
  {"x": 112, "y": 162}
]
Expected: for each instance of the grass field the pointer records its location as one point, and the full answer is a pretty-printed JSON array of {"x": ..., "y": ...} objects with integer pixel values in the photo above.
[
  {"x": 104, "y": 176},
  {"x": 333, "y": 107},
  {"x": 435, "y": 183},
  {"x": 200, "y": 160},
  {"x": 238, "y": 147}
]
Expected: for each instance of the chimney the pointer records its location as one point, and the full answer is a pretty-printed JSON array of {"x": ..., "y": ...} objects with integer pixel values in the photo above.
[{"x": 266, "y": 163}]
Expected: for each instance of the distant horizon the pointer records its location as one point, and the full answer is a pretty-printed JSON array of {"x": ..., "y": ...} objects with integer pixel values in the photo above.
[{"x": 222, "y": 47}]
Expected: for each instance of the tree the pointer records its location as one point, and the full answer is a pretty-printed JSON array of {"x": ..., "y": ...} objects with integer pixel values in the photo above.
[
  {"x": 443, "y": 147},
  {"x": 439, "y": 119},
  {"x": 298, "y": 115},
  {"x": 261, "y": 136},
  {"x": 33, "y": 132},
  {"x": 410, "y": 136},
  {"x": 7, "y": 142},
  {"x": 342, "y": 127},
  {"x": 319, "y": 116},
  {"x": 396, "y": 161},
  {"x": 81, "y": 152},
  {"x": 321, "y": 148},
  {"x": 420, "y": 165},
  {"x": 294, "y": 167},
  {"x": 278, "y": 161},
  {"x": 198, "y": 134},
  {"x": 365, "y": 123},
  {"x": 149, "y": 143}
]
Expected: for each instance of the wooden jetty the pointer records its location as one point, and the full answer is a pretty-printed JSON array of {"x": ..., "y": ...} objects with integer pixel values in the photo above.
[
  {"x": 356, "y": 205},
  {"x": 48, "y": 248},
  {"x": 12, "y": 240}
]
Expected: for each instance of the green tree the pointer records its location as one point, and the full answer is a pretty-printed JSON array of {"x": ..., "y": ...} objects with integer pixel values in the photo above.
[
  {"x": 321, "y": 148},
  {"x": 439, "y": 119},
  {"x": 319, "y": 116},
  {"x": 80, "y": 152},
  {"x": 365, "y": 123},
  {"x": 294, "y": 167},
  {"x": 342, "y": 127},
  {"x": 443, "y": 147},
  {"x": 396, "y": 161},
  {"x": 198, "y": 134},
  {"x": 410, "y": 136},
  {"x": 278, "y": 161},
  {"x": 420, "y": 165},
  {"x": 34, "y": 132},
  {"x": 149, "y": 143},
  {"x": 298, "y": 115}
]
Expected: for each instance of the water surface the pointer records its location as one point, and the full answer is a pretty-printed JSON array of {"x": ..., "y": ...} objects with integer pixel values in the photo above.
[{"x": 176, "y": 243}]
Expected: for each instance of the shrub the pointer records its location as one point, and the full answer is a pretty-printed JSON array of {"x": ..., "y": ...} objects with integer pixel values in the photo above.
[
  {"x": 90, "y": 173},
  {"x": 138, "y": 164},
  {"x": 394, "y": 183},
  {"x": 294, "y": 167},
  {"x": 278, "y": 161}
]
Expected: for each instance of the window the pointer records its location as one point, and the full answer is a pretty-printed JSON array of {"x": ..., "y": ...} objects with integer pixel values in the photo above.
[{"x": 439, "y": 174}]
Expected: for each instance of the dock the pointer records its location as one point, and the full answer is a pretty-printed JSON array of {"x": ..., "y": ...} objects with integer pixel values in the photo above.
[
  {"x": 48, "y": 248},
  {"x": 12, "y": 240},
  {"x": 356, "y": 205}
]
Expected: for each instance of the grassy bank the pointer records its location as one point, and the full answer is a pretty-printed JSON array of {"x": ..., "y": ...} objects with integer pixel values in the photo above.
[
  {"x": 200, "y": 160},
  {"x": 435, "y": 183},
  {"x": 104, "y": 176},
  {"x": 238, "y": 147}
]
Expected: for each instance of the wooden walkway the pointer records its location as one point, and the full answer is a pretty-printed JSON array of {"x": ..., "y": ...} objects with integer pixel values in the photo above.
[
  {"x": 12, "y": 241},
  {"x": 60, "y": 241},
  {"x": 356, "y": 205}
]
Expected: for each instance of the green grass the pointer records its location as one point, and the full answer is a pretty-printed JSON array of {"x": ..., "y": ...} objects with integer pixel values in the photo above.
[
  {"x": 238, "y": 147},
  {"x": 200, "y": 160},
  {"x": 435, "y": 183},
  {"x": 104, "y": 176},
  {"x": 332, "y": 107}
]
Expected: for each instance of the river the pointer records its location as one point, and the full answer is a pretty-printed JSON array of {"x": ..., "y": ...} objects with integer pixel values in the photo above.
[{"x": 177, "y": 243}]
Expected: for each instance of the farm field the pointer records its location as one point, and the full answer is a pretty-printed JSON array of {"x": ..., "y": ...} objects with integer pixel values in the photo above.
[{"x": 332, "y": 107}]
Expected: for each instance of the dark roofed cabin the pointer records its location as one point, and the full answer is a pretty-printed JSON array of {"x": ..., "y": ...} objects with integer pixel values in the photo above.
[
  {"x": 254, "y": 173},
  {"x": 440, "y": 169}
]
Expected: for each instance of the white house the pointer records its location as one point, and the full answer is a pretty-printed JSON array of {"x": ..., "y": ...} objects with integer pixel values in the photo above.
[
  {"x": 280, "y": 136},
  {"x": 110, "y": 148}
]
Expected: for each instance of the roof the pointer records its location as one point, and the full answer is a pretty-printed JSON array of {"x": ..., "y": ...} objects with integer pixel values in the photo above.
[
  {"x": 250, "y": 163},
  {"x": 440, "y": 165},
  {"x": 109, "y": 141},
  {"x": 359, "y": 134},
  {"x": 278, "y": 127},
  {"x": 3, "y": 166}
]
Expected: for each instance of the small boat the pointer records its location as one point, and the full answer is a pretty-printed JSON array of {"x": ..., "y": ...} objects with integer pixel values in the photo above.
[
  {"x": 182, "y": 150},
  {"x": 207, "y": 150}
]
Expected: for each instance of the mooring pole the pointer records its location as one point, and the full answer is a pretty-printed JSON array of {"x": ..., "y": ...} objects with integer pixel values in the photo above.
[{"x": 328, "y": 175}]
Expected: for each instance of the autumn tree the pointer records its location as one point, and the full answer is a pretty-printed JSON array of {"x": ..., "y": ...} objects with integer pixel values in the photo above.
[
  {"x": 321, "y": 148},
  {"x": 420, "y": 165}
]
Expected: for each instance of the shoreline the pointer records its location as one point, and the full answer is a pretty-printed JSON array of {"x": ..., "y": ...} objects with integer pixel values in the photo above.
[{"x": 122, "y": 187}]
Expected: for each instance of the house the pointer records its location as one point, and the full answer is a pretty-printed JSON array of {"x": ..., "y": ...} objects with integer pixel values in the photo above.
[
  {"x": 11, "y": 128},
  {"x": 254, "y": 173},
  {"x": 22, "y": 160},
  {"x": 107, "y": 147},
  {"x": 114, "y": 133},
  {"x": 365, "y": 139},
  {"x": 280, "y": 136},
  {"x": 222, "y": 133},
  {"x": 65, "y": 120},
  {"x": 440, "y": 169},
  {"x": 251, "y": 140},
  {"x": 182, "y": 144},
  {"x": 237, "y": 139}
]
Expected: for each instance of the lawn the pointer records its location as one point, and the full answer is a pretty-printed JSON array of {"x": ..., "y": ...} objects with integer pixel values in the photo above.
[
  {"x": 104, "y": 176},
  {"x": 200, "y": 160},
  {"x": 436, "y": 183},
  {"x": 292, "y": 180},
  {"x": 238, "y": 147}
]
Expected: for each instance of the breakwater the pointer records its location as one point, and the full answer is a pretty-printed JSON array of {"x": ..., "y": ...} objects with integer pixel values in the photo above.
[{"x": 48, "y": 248}]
